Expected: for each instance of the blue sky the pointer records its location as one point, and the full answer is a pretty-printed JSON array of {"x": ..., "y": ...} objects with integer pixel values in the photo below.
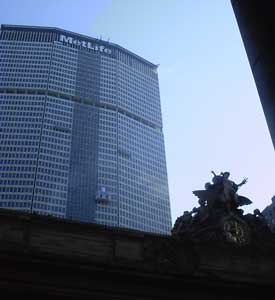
[{"x": 212, "y": 115}]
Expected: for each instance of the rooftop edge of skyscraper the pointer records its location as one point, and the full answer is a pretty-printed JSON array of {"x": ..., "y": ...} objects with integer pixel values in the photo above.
[{"x": 77, "y": 35}]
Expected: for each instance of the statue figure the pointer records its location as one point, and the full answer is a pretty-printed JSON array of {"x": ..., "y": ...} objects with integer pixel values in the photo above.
[
  {"x": 217, "y": 179},
  {"x": 201, "y": 212},
  {"x": 258, "y": 214},
  {"x": 222, "y": 193},
  {"x": 230, "y": 188},
  {"x": 182, "y": 222}
]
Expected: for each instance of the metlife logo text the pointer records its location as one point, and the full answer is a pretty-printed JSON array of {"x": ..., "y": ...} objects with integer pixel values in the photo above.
[{"x": 84, "y": 44}]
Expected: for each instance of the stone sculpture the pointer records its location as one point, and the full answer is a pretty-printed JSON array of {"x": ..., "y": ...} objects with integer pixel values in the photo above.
[{"x": 219, "y": 215}]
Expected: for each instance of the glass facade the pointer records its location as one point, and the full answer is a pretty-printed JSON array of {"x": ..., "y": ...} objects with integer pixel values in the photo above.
[{"x": 81, "y": 130}]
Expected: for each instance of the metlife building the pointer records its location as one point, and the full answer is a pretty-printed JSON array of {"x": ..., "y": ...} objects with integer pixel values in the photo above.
[{"x": 81, "y": 130}]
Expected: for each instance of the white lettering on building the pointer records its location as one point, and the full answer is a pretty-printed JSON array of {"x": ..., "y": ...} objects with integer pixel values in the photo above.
[{"x": 84, "y": 44}]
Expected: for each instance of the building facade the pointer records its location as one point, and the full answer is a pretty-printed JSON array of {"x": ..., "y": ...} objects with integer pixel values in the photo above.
[
  {"x": 81, "y": 130},
  {"x": 269, "y": 214}
]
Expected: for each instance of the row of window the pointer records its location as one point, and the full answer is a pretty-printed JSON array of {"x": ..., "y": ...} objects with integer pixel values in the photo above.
[
  {"x": 14, "y": 204},
  {"x": 12, "y": 189},
  {"x": 50, "y": 208},
  {"x": 54, "y": 193},
  {"x": 19, "y": 196}
]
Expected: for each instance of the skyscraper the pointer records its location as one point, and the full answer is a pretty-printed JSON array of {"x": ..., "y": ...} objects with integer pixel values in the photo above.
[{"x": 80, "y": 130}]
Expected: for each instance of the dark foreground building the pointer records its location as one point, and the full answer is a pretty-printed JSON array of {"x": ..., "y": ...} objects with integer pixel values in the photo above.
[
  {"x": 81, "y": 130},
  {"x": 257, "y": 27},
  {"x": 47, "y": 258},
  {"x": 215, "y": 252},
  {"x": 269, "y": 213}
]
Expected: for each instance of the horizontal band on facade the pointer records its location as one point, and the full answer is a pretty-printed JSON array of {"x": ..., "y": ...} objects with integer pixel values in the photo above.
[{"x": 88, "y": 101}]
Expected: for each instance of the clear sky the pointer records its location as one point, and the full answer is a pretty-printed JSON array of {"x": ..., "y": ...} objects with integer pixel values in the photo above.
[{"x": 212, "y": 115}]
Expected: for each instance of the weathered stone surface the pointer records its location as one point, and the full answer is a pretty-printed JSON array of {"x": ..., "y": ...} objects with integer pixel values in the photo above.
[
  {"x": 50, "y": 258},
  {"x": 128, "y": 249}
]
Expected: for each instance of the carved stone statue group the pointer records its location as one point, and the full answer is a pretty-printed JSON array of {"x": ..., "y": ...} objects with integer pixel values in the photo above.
[
  {"x": 217, "y": 202},
  {"x": 222, "y": 193},
  {"x": 219, "y": 218}
]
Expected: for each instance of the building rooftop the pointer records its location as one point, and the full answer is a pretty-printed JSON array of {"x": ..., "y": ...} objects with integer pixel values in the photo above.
[{"x": 77, "y": 35}]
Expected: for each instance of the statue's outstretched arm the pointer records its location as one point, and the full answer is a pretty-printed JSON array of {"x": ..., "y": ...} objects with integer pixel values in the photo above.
[{"x": 244, "y": 181}]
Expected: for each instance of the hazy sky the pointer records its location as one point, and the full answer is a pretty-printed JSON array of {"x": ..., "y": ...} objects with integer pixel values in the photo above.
[{"x": 212, "y": 115}]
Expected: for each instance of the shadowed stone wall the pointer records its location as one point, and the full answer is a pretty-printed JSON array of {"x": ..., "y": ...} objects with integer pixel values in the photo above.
[{"x": 51, "y": 258}]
